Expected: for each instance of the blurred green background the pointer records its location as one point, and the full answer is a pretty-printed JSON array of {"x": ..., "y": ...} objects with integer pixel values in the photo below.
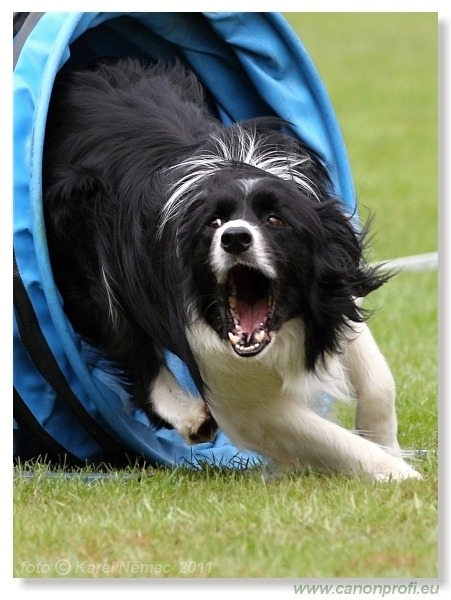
[{"x": 381, "y": 73}]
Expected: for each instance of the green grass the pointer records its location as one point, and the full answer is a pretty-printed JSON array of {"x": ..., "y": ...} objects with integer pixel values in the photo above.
[
  {"x": 225, "y": 524},
  {"x": 381, "y": 73},
  {"x": 231, "y": 524}
]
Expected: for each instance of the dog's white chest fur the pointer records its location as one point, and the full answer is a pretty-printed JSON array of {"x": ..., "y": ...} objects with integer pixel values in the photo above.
[
  {"x": 266, "y": 403},
  {"x": 254, "y": 400}
]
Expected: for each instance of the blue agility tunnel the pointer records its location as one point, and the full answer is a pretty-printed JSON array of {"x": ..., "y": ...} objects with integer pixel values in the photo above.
[{"x": 68, "y": 405}]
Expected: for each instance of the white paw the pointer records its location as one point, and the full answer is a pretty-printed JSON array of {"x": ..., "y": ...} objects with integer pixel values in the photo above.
[
  {"x": 396, "y": 470},
  {"x": 198, "y": 425},
  {"x": 187, "y": 414}
]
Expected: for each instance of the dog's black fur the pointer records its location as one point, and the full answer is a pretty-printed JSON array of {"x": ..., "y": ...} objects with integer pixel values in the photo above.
[{"x": 131, "y": 214}]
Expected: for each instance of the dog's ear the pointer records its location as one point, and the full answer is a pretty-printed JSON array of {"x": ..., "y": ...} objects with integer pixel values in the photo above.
[
  {"x": 340, "y": 276},
  {"x": 342, "y": 253}
]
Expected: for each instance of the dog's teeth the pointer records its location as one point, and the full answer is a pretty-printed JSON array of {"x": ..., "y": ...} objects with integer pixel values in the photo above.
[
  {"x": 232, "y": 302},
  {"x": 260, "y": 336},
  {"x": 234, "y": 339}
]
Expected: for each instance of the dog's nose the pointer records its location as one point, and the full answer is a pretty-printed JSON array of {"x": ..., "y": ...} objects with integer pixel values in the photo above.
[{"x": 236, "y": 240}]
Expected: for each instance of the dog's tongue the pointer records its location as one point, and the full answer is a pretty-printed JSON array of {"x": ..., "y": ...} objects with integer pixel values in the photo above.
[{"x": 252, "y": 315}]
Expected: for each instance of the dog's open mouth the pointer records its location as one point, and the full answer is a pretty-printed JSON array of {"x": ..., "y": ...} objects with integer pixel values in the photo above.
[{"x": 250, "y": 302}]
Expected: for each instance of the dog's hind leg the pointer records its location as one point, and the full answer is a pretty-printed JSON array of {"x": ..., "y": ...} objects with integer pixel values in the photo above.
[
  {"x": 374, "y": 387},
  {"x": 187, "y": 413}
]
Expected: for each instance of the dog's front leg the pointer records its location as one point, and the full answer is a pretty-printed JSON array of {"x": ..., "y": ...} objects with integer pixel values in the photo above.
[
  {"x": 308, "y": 439},
  {"x": 374, "y": 386},
  {"x": 186, "y": 413}
]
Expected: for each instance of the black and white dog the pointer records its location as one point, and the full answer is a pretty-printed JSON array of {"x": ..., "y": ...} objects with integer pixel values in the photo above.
[{"x": 225, "y": 245}]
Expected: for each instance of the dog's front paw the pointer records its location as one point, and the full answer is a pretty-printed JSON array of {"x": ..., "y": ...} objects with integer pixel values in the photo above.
[
  {"x": 395, "y": 470},
  {"x": 199, "y": 425}
]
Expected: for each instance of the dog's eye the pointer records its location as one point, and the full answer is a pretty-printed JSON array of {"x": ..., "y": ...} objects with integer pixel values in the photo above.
[
  {"x": 216, "y": 223},
  {"x": 274, "y": 221}
]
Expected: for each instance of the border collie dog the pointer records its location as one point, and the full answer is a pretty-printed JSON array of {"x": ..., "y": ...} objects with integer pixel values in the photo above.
[{"x": 225, "y": 245}]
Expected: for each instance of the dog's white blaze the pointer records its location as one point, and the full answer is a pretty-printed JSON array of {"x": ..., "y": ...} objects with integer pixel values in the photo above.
[
  {"x": 245, "y": 148},
  {"x": 248, "y": 184},
  {"x": 257, "y": 256}
]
